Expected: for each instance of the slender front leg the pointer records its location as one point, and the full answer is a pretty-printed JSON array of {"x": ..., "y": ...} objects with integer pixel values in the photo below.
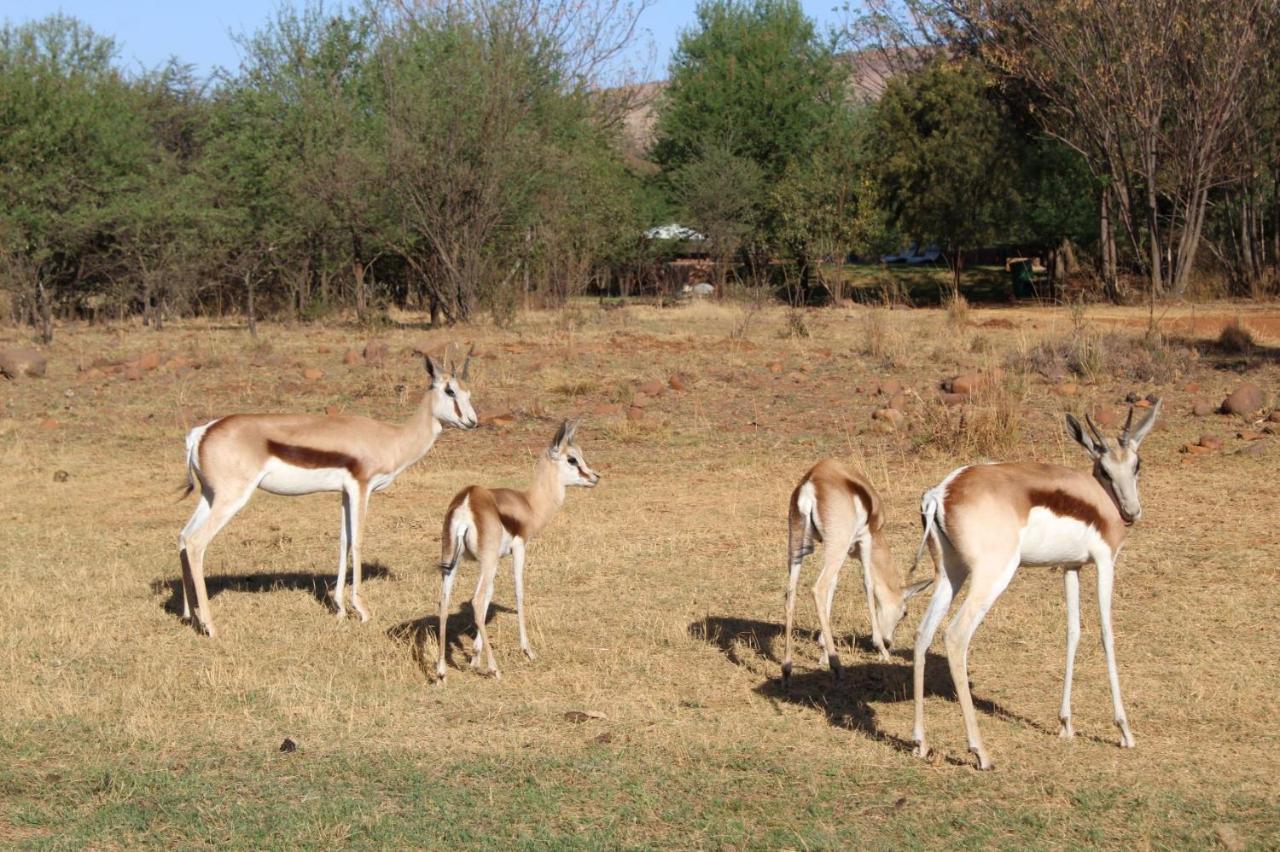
[
  {"x": 938, "y": 605},
  {"x": 198, "y": 518},
  {"x": 480, "y": 605},
  {"x": 1071, "y": 584},
  {"x": 986, "y": 584},
  {"x": 360, "y": 503},
  {"x": 447, "y": 576},
  {"x": 877, "y": 638},
  {"x": 1106, "y": 578},
  {"x": 344, "y": 544},
  {"x": 793, "y": 580},
  {"x": 824, "y": 592},
  {"x": 517, "y": 569}
]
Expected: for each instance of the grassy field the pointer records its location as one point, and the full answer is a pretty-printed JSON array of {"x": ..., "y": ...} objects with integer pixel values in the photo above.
[{"x": 653, "y": 716}]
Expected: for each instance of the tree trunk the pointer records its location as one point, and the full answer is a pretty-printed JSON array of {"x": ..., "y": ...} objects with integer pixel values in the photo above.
[
  {"x": 249, "y": 288},
  {"x": 1106, "y": 237},
  {"x": 45, "y": 306}
]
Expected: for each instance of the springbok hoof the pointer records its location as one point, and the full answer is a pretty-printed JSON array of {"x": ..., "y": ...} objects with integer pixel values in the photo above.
[
  {"x": 984, "y": 761},
  {"x": 786, "y": 674},
  {"x": 921, "y": 750},
  {"x": 1065, "y": 730},
  {"x": 1126, "y": 738},
  {"x": 528, "y": 652}
]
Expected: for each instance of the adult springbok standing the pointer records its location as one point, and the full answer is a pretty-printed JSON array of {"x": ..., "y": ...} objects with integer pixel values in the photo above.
[
  {"x": 489, "y": 523},
  {"x": 984, "y": 521},
  {"x": 843, "y": 510},
  {"x": 294, "y": 454}
]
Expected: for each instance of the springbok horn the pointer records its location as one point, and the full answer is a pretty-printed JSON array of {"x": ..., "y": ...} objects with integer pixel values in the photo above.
[
  {"x": 466, "y": 364},
  {"x": 1128, "y": 421},
  {"x": 1093, "y": 427}
]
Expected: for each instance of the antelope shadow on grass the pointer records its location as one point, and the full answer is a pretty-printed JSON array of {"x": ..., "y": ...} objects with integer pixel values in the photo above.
[
  {"x": 319, "y": 585},
  {"x": 420, "y": 634},
  {"x": 848, "y": 702}
]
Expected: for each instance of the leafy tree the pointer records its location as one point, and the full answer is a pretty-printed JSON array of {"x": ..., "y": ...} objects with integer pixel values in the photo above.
[
  {"x": 72, "y": 147},
  {"x": 945, "y": 159},
  {"x": 718, "y": 191}
]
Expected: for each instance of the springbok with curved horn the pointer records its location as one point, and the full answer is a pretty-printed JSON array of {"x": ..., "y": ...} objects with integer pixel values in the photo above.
[
  {"x": 295, "y": 454},
  {"x": 843, "y": 510},
  {"x": 489, "y": 523},
  {"x": 985, "y": 521}
]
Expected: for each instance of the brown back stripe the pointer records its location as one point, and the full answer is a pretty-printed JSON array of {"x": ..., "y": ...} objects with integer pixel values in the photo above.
[
  {"x": 312, "y": 458},
  {"x": 1067, "y": 505}
]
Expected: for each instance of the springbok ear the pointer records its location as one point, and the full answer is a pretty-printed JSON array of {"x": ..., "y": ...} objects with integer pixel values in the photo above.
[
  {"x": 1075, "y": 430},
  {"x": 1146, "y": 425},
  {"x": 571, "y": 428},
  {"x": 558, "y": 442},
  {"x": 915, "y": 588},
  {"x": 433, "y": 369}
]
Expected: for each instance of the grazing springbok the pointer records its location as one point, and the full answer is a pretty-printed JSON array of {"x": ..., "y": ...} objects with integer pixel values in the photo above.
[
  {"x": 984, "y": 521},
  {"x": 489, "y": 523},
  {"x": 843, "y": 510},
  {"x": 294, "y": 454}
]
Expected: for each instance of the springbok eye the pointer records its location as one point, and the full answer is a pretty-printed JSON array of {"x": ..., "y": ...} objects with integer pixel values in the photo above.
[
  {"x": 573, "y": 461},
  {"x": 448, "y": 391}
]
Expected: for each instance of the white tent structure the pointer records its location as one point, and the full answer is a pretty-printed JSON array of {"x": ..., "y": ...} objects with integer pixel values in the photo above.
[{"x": 673, "y": 231}]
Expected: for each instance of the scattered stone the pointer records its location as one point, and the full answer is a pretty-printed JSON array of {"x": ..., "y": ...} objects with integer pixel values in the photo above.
[
  {"x": 641, "y": 400},
  {"x": 1255, "y": 448},
  {"x": 967, "y": 383},
  {"x": 288, "y": 746},
  {"x": 1142, "y": 403},
  {"x": 635, "y": 414},
  {"x": 22, "y": 362},
  {"x": 892, "y": 416},
  {"x": 61, "y": 476},
  {"x": 506, "y": 418},
  {"x": 1105, "y": 417},
  {"x": 607, "y": 409},
  {"x": 132, "y": 373},
  {"x": 775, "y": 367},
  {"x": 1067, "y": 389},
  {"x": 332, "y": 409},
  {"x": 603, "y": 739},
  {"x": 1245, "y": 399},
  {"x": 953, "y": 399},
  {"x": 149, "y": 360},
  {"x": 1250, "y": 435},
  {"x": 1195, "y": 449},
  {"x": 322, "y": 350},
  {"x": 313, "y": 374},
  {"x": 1202, "y": 408},
  {"x": 889, "y": 388},
  {"x": 48, "y": 424},
  {"x": 653, "y": 388},
  {"x": 1192, "y": 387},
  {"x": 351, "y": 357},
  {"x": 579, "y": 716},
  {"x": 678, "y": 382},
  {"x": 1212, "y": 442},
  {"x": 375, "y": 351}
]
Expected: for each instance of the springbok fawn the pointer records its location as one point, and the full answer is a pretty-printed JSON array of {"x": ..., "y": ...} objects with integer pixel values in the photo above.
[
  {"x": 489, "y": 523},
  {"x": 984, "y": 521},
  {"x": 294, "y": 454},
  {"x": 842, "y": 510}
]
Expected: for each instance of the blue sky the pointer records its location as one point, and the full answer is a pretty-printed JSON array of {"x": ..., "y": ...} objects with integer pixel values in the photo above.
[{"x": 200, "y": 33}]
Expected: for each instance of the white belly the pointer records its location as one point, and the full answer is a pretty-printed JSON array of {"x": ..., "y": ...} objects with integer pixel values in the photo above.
[
  {"x": 1050, "y": 539},
  {"x": 291, "y": 481}
]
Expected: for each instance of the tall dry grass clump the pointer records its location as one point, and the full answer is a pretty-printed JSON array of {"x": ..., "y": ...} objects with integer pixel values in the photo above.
[
  {"x": 988, "y": 425},
  {"x": 1235, "y": 339}
]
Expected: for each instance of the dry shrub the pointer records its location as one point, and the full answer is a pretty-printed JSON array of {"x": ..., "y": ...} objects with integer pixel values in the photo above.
[
  {"x": 1092, "y": 355},
  {"x": 880, "y": 341},
  {"x": 796, "y": 326},
  {"x": 988, "y": 425},
  {"x": 958, "y": 311},
  {"x": 1235, "y": 339}
]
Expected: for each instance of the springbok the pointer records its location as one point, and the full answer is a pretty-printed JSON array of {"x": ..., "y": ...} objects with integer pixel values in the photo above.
[
  {"x": 295, "y": 454},
  {"x": 489, "y": 523},
  {"x": 985, "y": 521},
  {"x": 843, "y": 510}
]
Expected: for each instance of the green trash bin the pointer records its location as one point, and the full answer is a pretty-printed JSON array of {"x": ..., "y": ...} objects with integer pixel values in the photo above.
[{"x": 1023, "y": 278}]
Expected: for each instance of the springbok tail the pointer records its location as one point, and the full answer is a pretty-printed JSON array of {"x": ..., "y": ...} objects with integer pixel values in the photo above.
[
  {"x": 929, "y": 506},
  {"x": 800, "y": 527},
  {"x": 193, "y": 447},
  {"x": 453, "y": 546}
]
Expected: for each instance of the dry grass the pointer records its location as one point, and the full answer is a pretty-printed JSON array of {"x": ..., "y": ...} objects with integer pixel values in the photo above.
[{"x": 654, "y": 600}]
